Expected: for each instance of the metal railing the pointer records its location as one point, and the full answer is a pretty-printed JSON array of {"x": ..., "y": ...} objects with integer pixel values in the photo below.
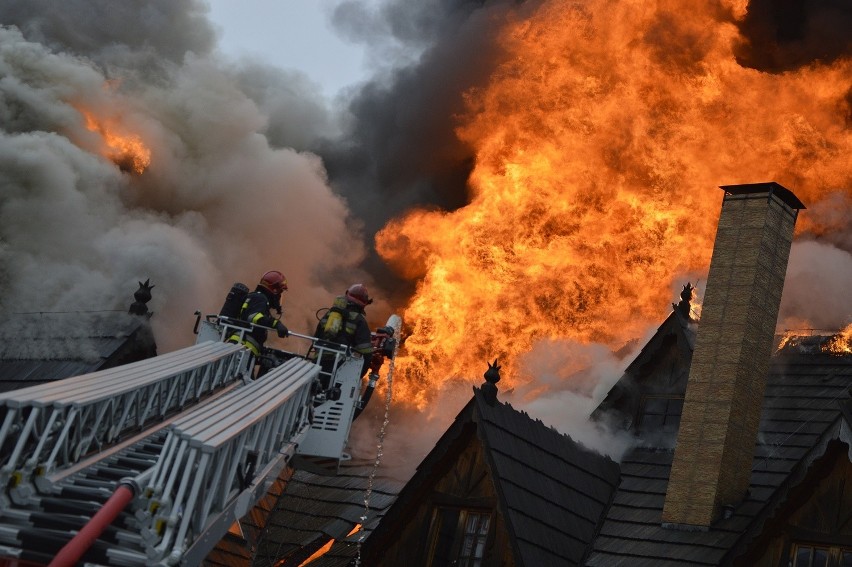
[
  {"x": 219, "y": 458},
  {"x": 58, "y": 423}
]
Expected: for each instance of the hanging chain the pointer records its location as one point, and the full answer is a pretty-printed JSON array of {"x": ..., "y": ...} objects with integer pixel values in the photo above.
[{"x": 379, "y": 453}]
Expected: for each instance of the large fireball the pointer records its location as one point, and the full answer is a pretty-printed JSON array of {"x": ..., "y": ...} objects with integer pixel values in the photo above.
[{"x": 600, "y": 141}]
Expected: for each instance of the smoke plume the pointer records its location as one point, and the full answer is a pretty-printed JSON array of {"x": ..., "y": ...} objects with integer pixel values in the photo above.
[
  {"x": 226, "y": 196},
  {"x": 249, "y": 170}
]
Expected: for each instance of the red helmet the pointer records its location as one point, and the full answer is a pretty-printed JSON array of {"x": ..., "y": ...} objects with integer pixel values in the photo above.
[
  {"x": 358, "y": 295},
  {"x": 274, "y": 281}
]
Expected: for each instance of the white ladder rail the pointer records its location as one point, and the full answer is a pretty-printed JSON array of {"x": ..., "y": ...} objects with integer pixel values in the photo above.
[
  {"x": 195, "y": 489},
  {"x": 65, "y": 419}
]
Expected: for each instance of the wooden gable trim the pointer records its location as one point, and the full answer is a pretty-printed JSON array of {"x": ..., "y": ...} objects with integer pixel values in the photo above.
[
  {"x": 416, "y": 491},
  {"x": 502, "y": 508},
  {"x": 789, "y": 496}
]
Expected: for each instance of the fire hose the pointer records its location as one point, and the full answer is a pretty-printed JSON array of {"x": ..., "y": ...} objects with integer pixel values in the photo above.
[{"x": 127, "y": 489}]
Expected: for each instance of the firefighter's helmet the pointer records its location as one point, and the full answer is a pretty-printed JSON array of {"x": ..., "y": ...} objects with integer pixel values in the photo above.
[
  {"x": 357, "y": 294},
  {"x": 274, "y": 281}
]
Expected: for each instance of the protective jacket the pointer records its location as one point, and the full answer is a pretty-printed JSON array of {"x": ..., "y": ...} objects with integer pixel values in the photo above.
[
  {"x": 256, "y": 310},
  {"x": 345, "y": 323}
]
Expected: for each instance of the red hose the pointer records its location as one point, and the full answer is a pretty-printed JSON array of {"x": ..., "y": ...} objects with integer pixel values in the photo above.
[{"x": 69, "y": 555}]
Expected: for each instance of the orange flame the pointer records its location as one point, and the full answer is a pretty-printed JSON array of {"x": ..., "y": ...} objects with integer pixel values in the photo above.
[
  {"x": 600, "y": 141},
  {"x": 841, "y": 343},
  {"x": 785, "y": 340},
  {"x": 318, "y": 553},
  {"x": 324, "y": 549},
  {"x": 125, "y": 150}
]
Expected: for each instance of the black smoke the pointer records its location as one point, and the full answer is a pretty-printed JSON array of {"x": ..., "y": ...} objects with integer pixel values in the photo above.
[{"x": 782, "y": 35}]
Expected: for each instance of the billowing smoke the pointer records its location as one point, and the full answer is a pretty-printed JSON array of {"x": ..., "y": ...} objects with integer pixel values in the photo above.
[
  {"x": 403, "y": 146},
  {"x": 249, "y": 169},
  {"x": 227, "y": 194}
]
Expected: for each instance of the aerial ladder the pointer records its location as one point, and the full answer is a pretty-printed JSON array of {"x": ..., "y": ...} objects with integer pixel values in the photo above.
[{"x": 150, "y": 463}]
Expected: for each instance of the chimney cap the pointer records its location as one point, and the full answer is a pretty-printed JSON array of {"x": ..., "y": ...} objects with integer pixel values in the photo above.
[{"x": 770, "y": 187}]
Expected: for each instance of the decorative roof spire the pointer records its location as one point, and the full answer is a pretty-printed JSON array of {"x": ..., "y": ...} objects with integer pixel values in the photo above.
[
  {"x": 142, "y": 296},
  {"x": 489, "y": 388},
  {"x": 683, "y": 306}
]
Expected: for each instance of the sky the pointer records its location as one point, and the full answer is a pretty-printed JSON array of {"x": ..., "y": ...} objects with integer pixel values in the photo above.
[{"x": 291, "y": 34}]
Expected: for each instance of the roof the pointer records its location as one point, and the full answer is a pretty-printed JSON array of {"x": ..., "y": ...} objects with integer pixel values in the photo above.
[
  {"x": 552, "y": 490},
  {"x": 315, "y": 509},
  {"x": 806, "y": 403},
  {"x": 42, "y": 347}
]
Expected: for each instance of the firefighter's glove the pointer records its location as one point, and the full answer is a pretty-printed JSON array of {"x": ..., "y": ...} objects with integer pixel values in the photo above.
[{"x": 282, "y": 330}]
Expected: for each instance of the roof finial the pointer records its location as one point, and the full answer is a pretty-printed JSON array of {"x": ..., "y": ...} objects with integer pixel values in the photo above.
[
  {"x": 489, "y": 388},
  {"x": 683, "y": 306},
  {"x": 142, "y": 296}
]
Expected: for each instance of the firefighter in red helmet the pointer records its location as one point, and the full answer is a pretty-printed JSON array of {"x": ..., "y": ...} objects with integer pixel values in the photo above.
[
  {"x": 257, "y": 307},
  {"x": 345, "y": 323}
]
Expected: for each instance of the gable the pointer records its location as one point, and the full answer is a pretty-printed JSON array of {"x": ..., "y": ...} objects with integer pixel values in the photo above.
[
  {"x": 659, "y": 372},
  {"x": 552, "y": 491},
  {"x": 452, "y": 481},
  {"x": 816, "y": 514}
]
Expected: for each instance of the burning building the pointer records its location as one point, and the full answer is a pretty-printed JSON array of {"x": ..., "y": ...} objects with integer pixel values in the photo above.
[
  {"x": 523, "y": 180},
  {"x": 758, "y": 474}
]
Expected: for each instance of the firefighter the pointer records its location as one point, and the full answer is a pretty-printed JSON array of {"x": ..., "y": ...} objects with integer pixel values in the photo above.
[
  {"x": 345, "y": 323},
  {"x": 256, "y": 309}
]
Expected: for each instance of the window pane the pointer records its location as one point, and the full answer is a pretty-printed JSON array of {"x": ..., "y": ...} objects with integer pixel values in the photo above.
[
  {"x": 803, "y": 557},
  {"x": 467, "y": 547},
  {"x": 820, "y": 557},
  {"x": 483, "y": 525},
  {"x": 471, "y": 524},
  {"x": 475, "y": 535}
]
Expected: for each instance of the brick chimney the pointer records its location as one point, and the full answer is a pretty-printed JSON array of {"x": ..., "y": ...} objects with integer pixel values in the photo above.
[{"x": 727, "y": 378}]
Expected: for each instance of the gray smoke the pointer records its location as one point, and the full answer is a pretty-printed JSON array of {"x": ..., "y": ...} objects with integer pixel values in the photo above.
[
  {"x": 219, "y": 202},
  {"x": 250, "y": 170},
  {"x": 816, "y": 291}
]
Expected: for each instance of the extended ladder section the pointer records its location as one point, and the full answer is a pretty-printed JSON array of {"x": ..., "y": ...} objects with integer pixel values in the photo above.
[
  {"x": 220, "y": 458},
  {"x": 187, "y": 442},
  {"x": 56, "y": 424}
]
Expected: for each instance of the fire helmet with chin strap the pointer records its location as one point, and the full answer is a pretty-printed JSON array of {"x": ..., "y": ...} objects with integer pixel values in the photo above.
[
  {"x": 357, "y": 294},
  {"x": 274, "y": 281}
]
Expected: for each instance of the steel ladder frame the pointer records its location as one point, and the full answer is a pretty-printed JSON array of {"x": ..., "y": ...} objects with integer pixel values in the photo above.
[
  {"x": 199, "y": 484},
  {"x": 59, "y": 423}
]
